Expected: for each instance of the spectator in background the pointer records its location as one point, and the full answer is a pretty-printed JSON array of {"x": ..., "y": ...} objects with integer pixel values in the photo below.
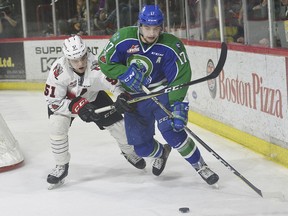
[
  {"x": 194, "y": 11},
  {"x": 96, "y": 6},
  {"x": 9, "y": 22},
  {"x": 284, "y": 11},
  {"x": 262, "y": 4},
  {"x": 98, "y": 11},
  {"x": 284, "y": 2},
  {"x": 108, "y": 22},
  {"x": 78, "y": 24},
  {"x": 234, "y": 31},
  {"x": 257, "y": 9}
]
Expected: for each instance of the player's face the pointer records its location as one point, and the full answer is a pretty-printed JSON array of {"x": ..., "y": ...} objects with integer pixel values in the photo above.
[
  {"x": 150, "y": 33},
  {"x": 79, "y": 65}
]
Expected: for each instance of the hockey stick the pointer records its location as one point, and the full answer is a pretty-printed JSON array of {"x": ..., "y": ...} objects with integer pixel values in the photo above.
[
  {"x": 215, "y": 73},
  {"x": 277, "y": 195}
]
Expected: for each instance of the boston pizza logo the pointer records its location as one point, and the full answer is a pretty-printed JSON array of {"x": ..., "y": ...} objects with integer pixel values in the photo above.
[{"x": 212, "y": 85}]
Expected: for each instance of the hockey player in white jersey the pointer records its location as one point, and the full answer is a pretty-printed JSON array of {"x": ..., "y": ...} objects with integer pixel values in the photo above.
[{"x": 76, "y": 86}]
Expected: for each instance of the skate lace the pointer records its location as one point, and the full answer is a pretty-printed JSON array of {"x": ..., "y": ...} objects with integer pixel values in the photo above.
[
  {"x": 58, "y": 170},
  {"x": 205, "y": 172},
  {"x": 158, "y": 162},
  {"x": 133, "y": 158}
]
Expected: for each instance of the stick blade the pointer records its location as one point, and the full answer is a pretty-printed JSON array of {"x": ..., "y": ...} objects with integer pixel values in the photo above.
[
  {"x": 221, "y": 62},
  {"x": 274, "y": 195}
]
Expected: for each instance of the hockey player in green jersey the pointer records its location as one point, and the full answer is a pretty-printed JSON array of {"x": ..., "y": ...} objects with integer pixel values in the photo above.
[{"x": 144, "y": 55}]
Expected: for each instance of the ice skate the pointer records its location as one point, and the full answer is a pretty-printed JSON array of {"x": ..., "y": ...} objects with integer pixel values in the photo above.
[
  {"x": 57, "y": 177},
  {"x": 135, "y": 160},
  {"x": 206, "y": 173},
  {"x": 53, "y": 186},
  {"x": 159, "y": 163}
]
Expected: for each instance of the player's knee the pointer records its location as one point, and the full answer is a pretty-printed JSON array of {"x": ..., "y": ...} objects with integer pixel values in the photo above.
[
  {"x": 58, "y": 138},
  {"x": 144, "y": 149},
  {"x": 174, "y": 138},
  {"x": 164, "y": 124},
  {"x": 59, "y": 124}
]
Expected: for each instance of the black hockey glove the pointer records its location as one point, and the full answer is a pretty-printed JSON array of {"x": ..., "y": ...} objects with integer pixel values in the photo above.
[
  {"x": 84, "y": 109},
  {"x": 121, "y": 104}
]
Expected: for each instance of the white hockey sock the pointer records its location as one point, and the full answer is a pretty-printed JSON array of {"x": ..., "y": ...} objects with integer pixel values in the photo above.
[{"x": 117, "y": 130}]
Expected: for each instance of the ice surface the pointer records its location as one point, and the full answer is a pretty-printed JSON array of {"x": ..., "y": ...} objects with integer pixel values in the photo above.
[{"x": 102, "y": 183}]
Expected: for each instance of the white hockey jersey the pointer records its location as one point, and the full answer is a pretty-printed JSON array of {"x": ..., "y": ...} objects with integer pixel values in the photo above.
[{"x": 63, "y": 84}]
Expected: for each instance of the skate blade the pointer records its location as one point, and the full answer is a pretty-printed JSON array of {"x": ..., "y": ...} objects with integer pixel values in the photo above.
[
  {"x": 215, "y": 186},
  {"x": 53, "y": 186},
  {"x": 276, "y": 195}
]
